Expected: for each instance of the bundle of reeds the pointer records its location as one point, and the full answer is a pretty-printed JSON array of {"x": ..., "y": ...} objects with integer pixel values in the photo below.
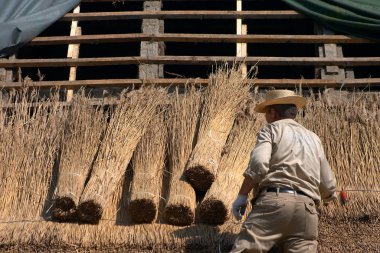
[
  {"x": 183, "y": 117},
  {"x": 216, "y": 205},
  {"x": 81, "y": 140},
  {"x": 223, "y": 98},
  {"x": 350, "y": 132},
  {"x": 125, "y": 129},
  {"x": 148, "y": 164},
  {"x": 30, "y": 136}
]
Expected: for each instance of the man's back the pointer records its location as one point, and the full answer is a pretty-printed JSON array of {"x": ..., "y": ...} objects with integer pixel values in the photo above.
[
  {"x": 288, "y": 155},
  {"x": 296, "y": 158}
]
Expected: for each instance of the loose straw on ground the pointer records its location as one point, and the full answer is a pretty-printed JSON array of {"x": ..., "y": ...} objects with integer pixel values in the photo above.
[
  {"x": 216, "y": 205},
  {"x": 81, "y": 140},
  {"x": 126, "y": 127},
  {"x": 223, "y": 98},
  {"x": 148, "y": 163},
  {"x": 183, "y": 116}
]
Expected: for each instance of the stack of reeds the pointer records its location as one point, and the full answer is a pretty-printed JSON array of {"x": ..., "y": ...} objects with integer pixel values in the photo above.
[
  {"x": 223, "y": 98},
  {"x": 30, "y": 136},
  {"x": 350, "y": 134},
  {"x": 81, "y": 140},
  {"x": 148, "y": 163},
  {"x": 216, "y": 205},
  {"x": 125, "y": 129},
  {"x": 182, "y": 123}
]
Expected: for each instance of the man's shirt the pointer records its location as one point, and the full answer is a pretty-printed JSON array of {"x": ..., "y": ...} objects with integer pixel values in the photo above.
[{"x": 289, "y": 155}]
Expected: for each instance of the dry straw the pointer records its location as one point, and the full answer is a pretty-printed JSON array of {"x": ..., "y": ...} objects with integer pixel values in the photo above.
[
  {"x": 216, "y": 205},
  {"x": 148, "y": 165},
  {"x": 183, "y": 116},
  {"x": 83, "y": 130},
  {"x": 29, "y": 143},
  {"x": 348, "y": 125},
  {"x": 223, "y": 98},
  {"x": 126, "y": 127}
]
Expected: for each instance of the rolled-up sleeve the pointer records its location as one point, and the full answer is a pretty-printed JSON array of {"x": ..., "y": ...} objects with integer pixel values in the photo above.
[
  {"x": 258, "y": 165},
  {"x": 327, "y": 185}
]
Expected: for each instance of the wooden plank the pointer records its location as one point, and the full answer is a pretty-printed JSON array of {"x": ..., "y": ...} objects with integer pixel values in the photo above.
[
  {"x": 244, "y": 51},
  {"x": 165, "y": 82},
  {"x": 239, "y": 6},
  {"x": 123, "y": 1},
  {"x": 208, "y": 38},
  {"x": 124, "y": 15},
  {"x": 73, "y": 52},
  {"x": 190, "y": 60}
]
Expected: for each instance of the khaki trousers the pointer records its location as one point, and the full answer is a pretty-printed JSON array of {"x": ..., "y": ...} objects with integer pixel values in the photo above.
[{"x": 288, "y": 220}]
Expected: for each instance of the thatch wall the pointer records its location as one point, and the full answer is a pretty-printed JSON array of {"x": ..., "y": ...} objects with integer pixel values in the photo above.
[{"x": 31, "y": 139}]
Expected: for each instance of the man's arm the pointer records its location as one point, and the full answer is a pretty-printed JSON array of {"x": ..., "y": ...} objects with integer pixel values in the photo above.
[
  {"x": 327, "y": 187},
  {"x": 247, "y": 185},
  {"x": 257, "y": 168}
]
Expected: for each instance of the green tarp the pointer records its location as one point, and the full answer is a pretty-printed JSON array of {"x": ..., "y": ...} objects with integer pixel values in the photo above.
[
  {"x": 360, "y": 18},
  {"x": 22, "y": 20}
]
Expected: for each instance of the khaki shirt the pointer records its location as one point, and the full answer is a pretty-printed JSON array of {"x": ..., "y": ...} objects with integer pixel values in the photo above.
[{"x": 288, "y": 155}]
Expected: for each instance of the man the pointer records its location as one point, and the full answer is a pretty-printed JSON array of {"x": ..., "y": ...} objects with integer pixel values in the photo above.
[{"x": 290, "y": 174}]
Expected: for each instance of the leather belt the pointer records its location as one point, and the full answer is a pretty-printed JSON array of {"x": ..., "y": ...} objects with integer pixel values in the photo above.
[{"x": 284, "y": 190}]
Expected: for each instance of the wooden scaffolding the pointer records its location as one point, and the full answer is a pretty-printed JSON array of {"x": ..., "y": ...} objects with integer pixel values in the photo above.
[{"x": 115, "y": 43}]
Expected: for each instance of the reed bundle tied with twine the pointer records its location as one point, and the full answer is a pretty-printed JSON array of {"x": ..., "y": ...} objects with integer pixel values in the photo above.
[
  {"x": 126, "y": 127},
  {"x": 182, "y": 123},
  {"x": 148, "y": 163},
  {"x": 30, "y": 137},
  {"x": 223, "y": 98},
  {"x": 350, "y": 134},
  {"x": 216, "y": 205},
  {"x": 83, "y": 130}
]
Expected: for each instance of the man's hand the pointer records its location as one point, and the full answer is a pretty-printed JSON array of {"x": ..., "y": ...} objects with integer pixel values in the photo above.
[
  {"x": 329, "y": 199},
  {"x": 239, "y": 206}
]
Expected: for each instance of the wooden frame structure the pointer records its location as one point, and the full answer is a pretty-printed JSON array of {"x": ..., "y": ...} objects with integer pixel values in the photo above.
[{"x": 324, "y": 58}]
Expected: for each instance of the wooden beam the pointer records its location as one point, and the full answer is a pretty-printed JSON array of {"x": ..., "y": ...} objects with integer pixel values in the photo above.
[
  {"x": 165, "y": 82},
  {"x": 73, "y": 52},
  {"x": 123, "y": 1},
  {"x": 190, "y": 60},
  {"x": 124, "y": 15},
  {"x": 207, "y": 38}
]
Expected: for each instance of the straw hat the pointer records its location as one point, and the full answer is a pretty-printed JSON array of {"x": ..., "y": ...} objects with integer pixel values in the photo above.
[{"x": 280, "y": 97}]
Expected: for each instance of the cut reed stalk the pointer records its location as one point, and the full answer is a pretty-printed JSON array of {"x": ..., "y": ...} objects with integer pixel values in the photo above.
[
  {"x": 126, "y": 127},
  {"x": 223, "y": 98},
  {"x": 83, "y": 130},
  {"x": 30, "y": 140},
  {"x": 350, "y": 134},
  {"x": 148, "y": 165},
  {"x": 183, "y": 117},
  {"x": 216, "y": 205}
]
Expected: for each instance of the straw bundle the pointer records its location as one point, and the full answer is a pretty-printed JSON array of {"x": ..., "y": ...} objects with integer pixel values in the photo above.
[
  {"x": 30, "y": 139},
  {"x": 350, "y": 134},
  {"x": 148, "y": 164},
  {"x": 223, "y": 98},
  {"x": 183, "y": 116},
  {"x": 83, "y": 129},
  {"x": 216, "y": 205},
  {"x": 126, "y": 127}
]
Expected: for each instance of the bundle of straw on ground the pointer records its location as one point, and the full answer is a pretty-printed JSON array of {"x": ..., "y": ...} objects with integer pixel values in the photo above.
[
  {"x": 216, "y": 205},
  {"x": 224, "y": 96},
  {"x": 350, "y": 134},
  {"x": 30, "y": 140},
  {"x": 125, "y": 129},
  {"x": 83, "y": 130},
  {"x": 148, "y": 164},
  {"x": 183, "y": 117}
]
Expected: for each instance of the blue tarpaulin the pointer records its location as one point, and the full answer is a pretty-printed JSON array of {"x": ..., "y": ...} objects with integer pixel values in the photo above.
[{"x": 22, "y": 20}]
